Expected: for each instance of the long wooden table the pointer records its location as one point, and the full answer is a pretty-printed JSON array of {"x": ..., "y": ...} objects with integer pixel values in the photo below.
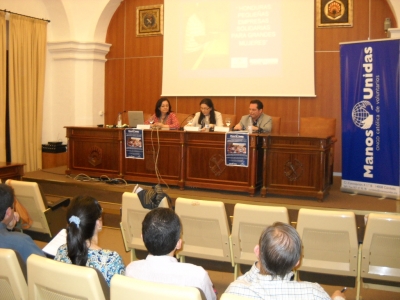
[
  {"x": 297, "y": 165},
  {"x": 10, "y": 170},
  {"x": 290, "y": 165},
  {"x": 204, "y": 163}
]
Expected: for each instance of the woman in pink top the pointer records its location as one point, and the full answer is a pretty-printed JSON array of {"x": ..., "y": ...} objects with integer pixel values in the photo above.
[{"x": 163, "y": 116}]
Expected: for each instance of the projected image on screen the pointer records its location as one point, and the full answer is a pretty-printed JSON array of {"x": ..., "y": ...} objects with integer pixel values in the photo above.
[
  {"x": 229, "y": 43},
  {"x": 205, "y": 37},
  {"x": 238, "y": 47}
]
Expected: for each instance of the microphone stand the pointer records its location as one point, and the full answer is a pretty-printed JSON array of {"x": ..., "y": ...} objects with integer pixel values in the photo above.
[{"x": 180, "y": 126}]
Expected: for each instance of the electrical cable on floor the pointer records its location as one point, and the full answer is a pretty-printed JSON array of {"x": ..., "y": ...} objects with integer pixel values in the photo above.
[{"x": 155, "y": 157}]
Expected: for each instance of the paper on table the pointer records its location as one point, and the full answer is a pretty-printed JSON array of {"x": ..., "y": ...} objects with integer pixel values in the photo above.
[{"x": 60, "y": 239}]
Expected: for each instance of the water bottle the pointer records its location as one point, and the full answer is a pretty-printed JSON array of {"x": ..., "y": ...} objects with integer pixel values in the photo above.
[
  {"x": 250, "y": 125},
  {"x": 119, "y": 122},
  {"x": 206, "y": 124}
]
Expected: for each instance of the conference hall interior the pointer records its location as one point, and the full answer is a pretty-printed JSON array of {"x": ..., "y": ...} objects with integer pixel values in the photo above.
[{"x": 96, "y": 60}]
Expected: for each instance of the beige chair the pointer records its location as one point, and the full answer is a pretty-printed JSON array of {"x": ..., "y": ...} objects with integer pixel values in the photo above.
[
  {"x": 249, "y": 221},
  {"x": 12, "y": 276},
  {"x": 50, "y": 279},
  {"x": 47, "y": 217},
  {"x": 226, "y": 296},
  {"x": 133, "y": 214},
  {"x": 276, "y": 125},
  {"x": 380, "y": 262},
  {"x": 330, "y": 244},
  {"x": 126, "y": 288},
  {"x": 321, "y": 127},
  {"x": 205, "y": 229}
]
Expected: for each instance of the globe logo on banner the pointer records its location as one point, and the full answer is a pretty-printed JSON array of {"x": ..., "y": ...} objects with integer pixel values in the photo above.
[{"x": 361, "y": 117}]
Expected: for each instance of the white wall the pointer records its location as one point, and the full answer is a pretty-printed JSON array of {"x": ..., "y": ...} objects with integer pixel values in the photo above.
[{"x": 74, "y": 88}]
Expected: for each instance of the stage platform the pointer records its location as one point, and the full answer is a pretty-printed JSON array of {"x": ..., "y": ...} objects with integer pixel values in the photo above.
[{"x": 54, "y": 181}]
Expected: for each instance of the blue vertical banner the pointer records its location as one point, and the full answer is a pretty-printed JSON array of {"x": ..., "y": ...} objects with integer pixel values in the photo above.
[
  {"x": 134, "y": 145},
  {"x": 370, "y": 117},
  {"x": 237, "y": 149}
]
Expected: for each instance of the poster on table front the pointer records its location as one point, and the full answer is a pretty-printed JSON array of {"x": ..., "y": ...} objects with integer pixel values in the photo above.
[
  {"x": 134, "y": 143},
  {"x": 237, "y": 149},
  {"x": 370, "y": 117}
]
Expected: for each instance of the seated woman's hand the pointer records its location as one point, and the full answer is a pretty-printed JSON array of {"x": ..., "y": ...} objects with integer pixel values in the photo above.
[{"x": 158, "y": 125}]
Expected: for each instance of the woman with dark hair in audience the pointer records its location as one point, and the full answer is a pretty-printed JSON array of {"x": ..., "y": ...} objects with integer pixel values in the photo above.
[
  {"x": 163, "y": 116},
  {"x": 84, "y": 223},
  {"x": 207, "y": 114}
]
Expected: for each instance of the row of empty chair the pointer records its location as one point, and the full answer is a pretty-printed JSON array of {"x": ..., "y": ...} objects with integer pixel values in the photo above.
[
  {"x": 330, "y": 243},
  {"x": 49, "y": 280}
]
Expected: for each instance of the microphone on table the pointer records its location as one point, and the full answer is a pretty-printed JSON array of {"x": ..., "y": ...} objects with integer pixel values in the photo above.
[{"x": 180, "y": 126}]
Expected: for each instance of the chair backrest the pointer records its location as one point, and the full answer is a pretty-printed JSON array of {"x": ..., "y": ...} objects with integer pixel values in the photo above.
[
  {"x": 12, "y": 279},
  {"x": 126, "y": 288},
  {"x": 227, "y": 296},
  {"x": 205, "y": 229},
  {"x": 276, "y": 125},
  {"x": 330, "y": 243},
  {"x": 232, "y": 117},
  {"x": 29, "y": 195},
  {"x": 249, "y": 221},
  {"x": 50, "y": 279},
  {"x": 317, "y": 126},
  {"x": 380, "y": 249},
  {"x": 133, "y": 214}
]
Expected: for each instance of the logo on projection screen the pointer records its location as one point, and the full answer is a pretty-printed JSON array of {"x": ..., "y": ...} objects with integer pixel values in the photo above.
[{"x": 361, "y": 116}]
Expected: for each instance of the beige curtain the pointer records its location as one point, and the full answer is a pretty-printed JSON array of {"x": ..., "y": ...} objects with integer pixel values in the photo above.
[
  {"x": 27, "y": 57},
  {"x": 2, "y": 86}
]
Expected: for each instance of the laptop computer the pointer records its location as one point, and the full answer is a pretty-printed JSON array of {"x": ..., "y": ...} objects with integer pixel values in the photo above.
[{"x": 135, "y": 118}]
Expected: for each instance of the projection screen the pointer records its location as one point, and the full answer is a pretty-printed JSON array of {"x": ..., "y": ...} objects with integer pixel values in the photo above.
[{"x": 238, "y": 48}]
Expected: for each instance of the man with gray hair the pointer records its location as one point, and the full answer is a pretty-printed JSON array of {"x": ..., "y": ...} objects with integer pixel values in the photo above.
[{"x": 278, "y": 253}]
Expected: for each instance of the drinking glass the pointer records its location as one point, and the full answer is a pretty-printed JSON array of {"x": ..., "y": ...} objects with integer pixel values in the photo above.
[
  {"x": 190, "y": 121},
  {"x": 228, "y": 122},
  {"x": 151, "y": 121}
]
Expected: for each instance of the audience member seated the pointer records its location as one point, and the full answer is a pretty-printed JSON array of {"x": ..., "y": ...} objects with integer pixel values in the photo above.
[
  {"x": 207, "y": 115},
  {"x": 260, "y": 121},
  {"x": 278, "y": 252},
  {"x": 163, "y": 116},
  {"x": 161, "y": 231},
  {"x": 17, "y": 241},
  {"x": 84, "y": 223}
]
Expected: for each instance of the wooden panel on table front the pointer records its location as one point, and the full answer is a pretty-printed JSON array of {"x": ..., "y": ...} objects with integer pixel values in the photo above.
[
  {"x": 163, "y": 150},
  {"x": 205, "y": 164},
  {"x": 94, "y": 150},
  {"x": 297, "y": 166}
]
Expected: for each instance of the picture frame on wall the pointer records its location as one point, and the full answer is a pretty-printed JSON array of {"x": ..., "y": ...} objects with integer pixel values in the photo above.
[
  {"x": 149, "y": 20},
  {"x": 334, "y": 13}
]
